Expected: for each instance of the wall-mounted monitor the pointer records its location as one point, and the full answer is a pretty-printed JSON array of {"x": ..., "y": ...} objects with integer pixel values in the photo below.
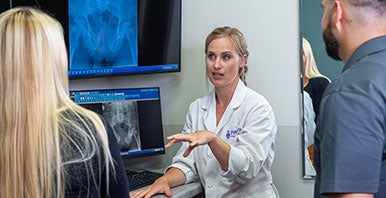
[
  {"x": 117, "y": 37},
  {"x": 134, "y": 115}
]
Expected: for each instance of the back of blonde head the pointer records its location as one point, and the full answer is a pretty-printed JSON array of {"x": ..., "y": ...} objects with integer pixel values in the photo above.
[
  {"x": 34, "y": 95},
  {"x": 311, "y": 70}
]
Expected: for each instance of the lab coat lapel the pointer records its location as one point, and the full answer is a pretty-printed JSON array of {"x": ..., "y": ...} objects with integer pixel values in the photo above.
[
  {"x": 236, "y": 100},
  {"x": 209, "y": 116},
  {"x": 225, "y": 118}
]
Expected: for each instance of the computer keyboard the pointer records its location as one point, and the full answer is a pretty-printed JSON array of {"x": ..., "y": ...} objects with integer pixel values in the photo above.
[{"x": 141, "y": 179}]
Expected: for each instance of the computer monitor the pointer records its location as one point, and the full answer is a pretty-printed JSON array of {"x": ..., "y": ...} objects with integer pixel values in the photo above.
[
  {"x": 116, "y": 37},
  {"x": 134, "y": 114}
]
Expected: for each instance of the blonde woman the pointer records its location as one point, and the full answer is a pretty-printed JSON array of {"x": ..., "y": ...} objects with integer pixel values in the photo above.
[
  {"x": 49, "y": 146},
  {"x": 228, "y": 140},
  {"x": 314, "y": 83}
]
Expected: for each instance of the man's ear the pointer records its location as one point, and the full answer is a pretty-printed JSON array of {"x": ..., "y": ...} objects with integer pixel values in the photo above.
[{"x": 338, "y": 15}]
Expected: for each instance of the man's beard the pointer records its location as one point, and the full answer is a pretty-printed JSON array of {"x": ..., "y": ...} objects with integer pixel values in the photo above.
[{"x": 331, "y": 42}]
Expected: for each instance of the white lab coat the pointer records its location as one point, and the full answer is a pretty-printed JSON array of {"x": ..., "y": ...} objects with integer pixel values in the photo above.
[
  {"x": 309, "y": 131},
  {"x": 248, "y": 125}
]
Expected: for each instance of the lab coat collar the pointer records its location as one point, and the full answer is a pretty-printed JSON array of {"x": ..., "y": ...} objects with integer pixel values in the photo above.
[{"x": 209, "y": 106}]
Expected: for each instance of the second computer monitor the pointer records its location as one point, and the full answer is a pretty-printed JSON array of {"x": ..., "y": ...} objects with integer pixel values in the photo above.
[{"x": 134, "y": 114}]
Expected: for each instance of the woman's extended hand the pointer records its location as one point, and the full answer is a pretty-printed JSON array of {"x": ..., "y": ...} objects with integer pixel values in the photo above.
[{"x": 195, "y": 139}]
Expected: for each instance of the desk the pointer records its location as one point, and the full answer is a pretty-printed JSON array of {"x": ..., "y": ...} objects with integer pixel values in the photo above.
[{"x": 184, "y": 191}]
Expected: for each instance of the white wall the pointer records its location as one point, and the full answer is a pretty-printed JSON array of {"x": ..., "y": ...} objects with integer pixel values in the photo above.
[{"x": 272, "y": 32}]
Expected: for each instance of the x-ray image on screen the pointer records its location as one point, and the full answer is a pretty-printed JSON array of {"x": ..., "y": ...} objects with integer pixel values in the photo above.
[
  {"x": 123, "y": 118},
  {"x": 103, "y": 34}
]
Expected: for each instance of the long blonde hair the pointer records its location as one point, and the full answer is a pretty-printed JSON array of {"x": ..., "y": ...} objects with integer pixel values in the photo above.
[
  {"x": 310, "y": 70},
  {"x": 36, "y": 114}
]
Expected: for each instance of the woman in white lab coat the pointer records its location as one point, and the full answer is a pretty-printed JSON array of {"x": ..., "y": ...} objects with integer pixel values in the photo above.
[{"x": 229, "y": 135}]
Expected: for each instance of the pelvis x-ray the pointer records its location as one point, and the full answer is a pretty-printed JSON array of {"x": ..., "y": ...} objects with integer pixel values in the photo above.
[
  {"x": 103, "y": 33},
  {"x": 123, "y": 118}
]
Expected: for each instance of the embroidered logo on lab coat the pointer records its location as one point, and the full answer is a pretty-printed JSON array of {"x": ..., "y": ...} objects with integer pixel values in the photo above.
[{"x": 232, "y": 133}]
